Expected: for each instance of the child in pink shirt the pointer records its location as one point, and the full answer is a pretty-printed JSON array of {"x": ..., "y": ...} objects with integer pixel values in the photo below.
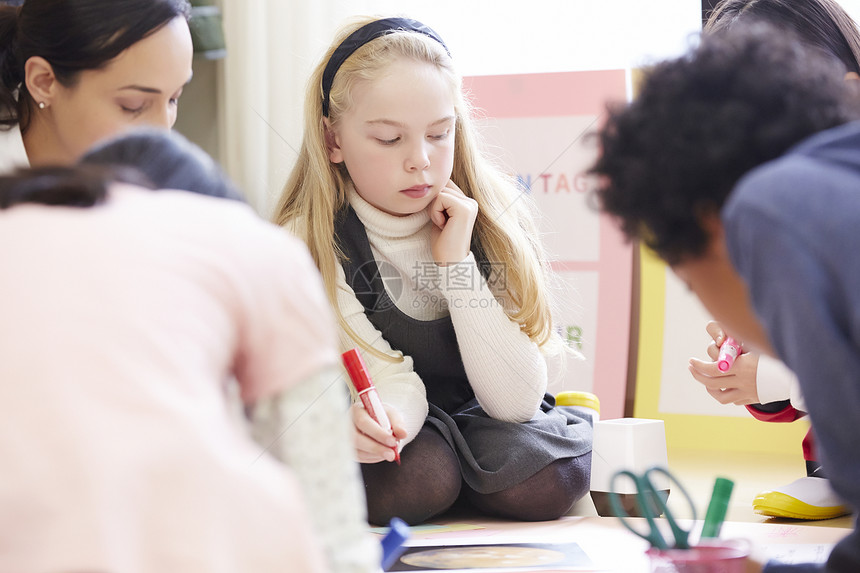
[{"x": 127, "y": 314}]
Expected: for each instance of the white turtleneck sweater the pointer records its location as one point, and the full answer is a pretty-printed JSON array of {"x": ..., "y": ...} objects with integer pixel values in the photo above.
[{"x": 506, "y": 369}]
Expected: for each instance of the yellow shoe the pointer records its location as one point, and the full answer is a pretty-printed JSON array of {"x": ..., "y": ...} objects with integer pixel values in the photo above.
[{"x": 805, "y": 498}]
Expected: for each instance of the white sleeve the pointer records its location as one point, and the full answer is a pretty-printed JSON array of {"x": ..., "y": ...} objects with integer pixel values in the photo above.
[
  {"x": 397, "y": 382},
  {"x": 775, "y": 382},
  {"x": 796, "y": 395},
  {"x": 505, "y": 367},
  {"x": 306, "y": 427}
]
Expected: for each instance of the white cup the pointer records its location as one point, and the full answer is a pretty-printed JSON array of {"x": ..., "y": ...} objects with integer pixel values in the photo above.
[{"x": 634, "y": 444}]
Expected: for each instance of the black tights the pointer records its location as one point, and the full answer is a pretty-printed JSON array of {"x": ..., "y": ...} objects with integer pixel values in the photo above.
[{"x": 428, "y": 482}]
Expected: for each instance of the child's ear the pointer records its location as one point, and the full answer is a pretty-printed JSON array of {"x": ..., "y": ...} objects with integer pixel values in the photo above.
[
  {"x": 41, "y": 82},
  {"x": 852, "y": 76},
  {"x": 331, "y": 142}
]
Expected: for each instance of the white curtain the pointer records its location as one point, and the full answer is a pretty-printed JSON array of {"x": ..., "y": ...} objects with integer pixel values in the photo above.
[{"x": 260, "y": 103}]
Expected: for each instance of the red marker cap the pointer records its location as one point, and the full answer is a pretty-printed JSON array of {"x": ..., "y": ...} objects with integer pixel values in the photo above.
[{"x": 357, "y": 370}]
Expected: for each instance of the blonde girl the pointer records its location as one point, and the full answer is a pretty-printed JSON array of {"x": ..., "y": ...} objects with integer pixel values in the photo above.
[{"x": 430, "y": 258}]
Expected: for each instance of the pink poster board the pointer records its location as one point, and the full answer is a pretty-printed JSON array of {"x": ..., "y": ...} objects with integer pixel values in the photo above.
[{"x": 538, "y": 126}]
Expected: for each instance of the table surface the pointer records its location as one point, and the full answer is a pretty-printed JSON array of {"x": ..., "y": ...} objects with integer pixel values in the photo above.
[{"x": 613, "y": 548}]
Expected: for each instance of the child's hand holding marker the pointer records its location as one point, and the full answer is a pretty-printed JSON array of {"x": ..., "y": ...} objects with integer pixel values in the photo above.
[
  {"x": 372, "y": 442},
  {"x": 737, "y": 383},
  {"x": 378, "y": 427}
]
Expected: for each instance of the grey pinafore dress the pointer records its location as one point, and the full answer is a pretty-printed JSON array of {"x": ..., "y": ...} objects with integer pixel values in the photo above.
[{"x": 494, "y": 455}]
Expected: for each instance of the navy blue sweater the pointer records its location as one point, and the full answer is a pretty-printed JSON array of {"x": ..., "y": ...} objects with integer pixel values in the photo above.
[{"x": 793, "y": 233}]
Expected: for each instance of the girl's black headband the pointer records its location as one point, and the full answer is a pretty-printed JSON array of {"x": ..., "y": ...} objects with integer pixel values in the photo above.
[{"x": 362, "y": 36}]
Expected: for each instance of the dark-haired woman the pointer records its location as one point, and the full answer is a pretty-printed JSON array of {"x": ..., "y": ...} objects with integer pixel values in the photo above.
[{"x": 73, "y": 72}]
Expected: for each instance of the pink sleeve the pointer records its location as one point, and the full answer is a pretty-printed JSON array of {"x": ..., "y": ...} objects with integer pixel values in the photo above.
[{"x": 288, "y": 329}]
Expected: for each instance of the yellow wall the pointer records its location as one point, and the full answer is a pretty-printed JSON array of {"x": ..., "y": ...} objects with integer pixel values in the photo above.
[{"x": 693, "y": 431}]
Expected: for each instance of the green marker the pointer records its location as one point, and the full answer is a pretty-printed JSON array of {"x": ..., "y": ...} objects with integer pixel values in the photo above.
[{"x": 717, "y": 507}]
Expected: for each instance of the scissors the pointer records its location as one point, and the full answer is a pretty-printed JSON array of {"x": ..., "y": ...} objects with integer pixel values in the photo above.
[{"x": 652, "y": 504}]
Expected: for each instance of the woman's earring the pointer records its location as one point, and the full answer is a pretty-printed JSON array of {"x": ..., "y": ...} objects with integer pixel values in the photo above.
[{"x": 41, "y": 105}]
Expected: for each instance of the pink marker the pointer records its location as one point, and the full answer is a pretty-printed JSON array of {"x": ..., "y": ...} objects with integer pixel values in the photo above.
[
  {"x": 367, "y": 392},
  {"x": 729, "y": 350}
]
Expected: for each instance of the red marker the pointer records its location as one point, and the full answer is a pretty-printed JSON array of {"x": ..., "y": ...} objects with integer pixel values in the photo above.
[
  {"x": 367, "y": 392},
  {"x": 729, "y": 350}
]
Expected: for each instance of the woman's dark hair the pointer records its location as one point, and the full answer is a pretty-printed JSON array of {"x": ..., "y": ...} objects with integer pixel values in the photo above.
[
  {"x": 167, "y": 159},
  {"x": 72, "y": 35},
  {"x": 742, "y": 98},
  {"x": 81, "y": 186},
  {"x": 155, "y": 159},
  {"x": 823, "y": 24}
]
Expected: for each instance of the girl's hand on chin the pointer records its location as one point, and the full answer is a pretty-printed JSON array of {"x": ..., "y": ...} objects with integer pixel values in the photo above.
[{"x": 453, "y": 215}]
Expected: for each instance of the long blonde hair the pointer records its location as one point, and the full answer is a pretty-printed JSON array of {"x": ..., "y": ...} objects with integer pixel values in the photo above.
[{"x": 504, "y": 229}]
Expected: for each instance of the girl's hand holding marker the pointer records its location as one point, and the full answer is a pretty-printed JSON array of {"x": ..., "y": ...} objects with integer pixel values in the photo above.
[
  {"x": 730, "y": 376},
  {"x": 376, "y": 440}
]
